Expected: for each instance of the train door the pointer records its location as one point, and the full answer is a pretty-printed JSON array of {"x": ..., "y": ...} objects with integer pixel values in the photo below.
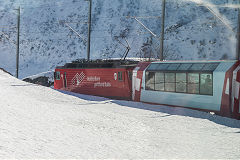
[
  {"x": 135, "y": 83},
  {"x": 137, "y": 80},
  {"x": 65, "y": 80},
  {"x": 129, "y": 81},
  {"x": 57, "y": 80}
]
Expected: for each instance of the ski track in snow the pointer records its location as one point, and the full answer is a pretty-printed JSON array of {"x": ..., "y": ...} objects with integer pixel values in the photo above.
[{"x": 39, "y": 122}]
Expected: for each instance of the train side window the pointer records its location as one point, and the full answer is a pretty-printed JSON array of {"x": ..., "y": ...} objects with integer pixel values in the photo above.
[
  {"x": 193, "y": 83},
  {"x": 65, "y": 79},
  {"x": 120, "y": 76},
  {"x": 206, "y": 85},
  {"x": 159, "y": 81},
  {"x": 181, "y": 82},
  {"x": 149, "y": 80},
  {"x": 170, "y": 82},
  {"x": 57, "y": 75}
]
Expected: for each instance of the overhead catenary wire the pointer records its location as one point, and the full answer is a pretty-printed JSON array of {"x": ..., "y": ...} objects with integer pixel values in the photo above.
[
  {"x": 81, "y": 22},
  {"x": 59, "y": 3},
  {"x": 53, "y": 5},
  {"x": 93, "y": 30},
  {"x": 93, "y": 37}
]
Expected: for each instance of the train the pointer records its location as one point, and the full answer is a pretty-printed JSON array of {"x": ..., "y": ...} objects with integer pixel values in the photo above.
[{"x": 211, "y": 86}]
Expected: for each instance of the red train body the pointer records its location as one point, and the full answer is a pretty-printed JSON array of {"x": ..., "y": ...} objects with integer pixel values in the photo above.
[
  {"x": 112, "y": 81},
  {"x": 204, "y": 85}
]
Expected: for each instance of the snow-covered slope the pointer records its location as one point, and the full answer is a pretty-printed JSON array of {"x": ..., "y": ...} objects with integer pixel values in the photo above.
[
  {"x": 192, "y": 31},
  {"x": 39, "y": 122}
]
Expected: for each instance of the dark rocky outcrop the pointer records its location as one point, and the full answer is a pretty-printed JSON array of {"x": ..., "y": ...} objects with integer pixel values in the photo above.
[{"x": 42, "y": 80}]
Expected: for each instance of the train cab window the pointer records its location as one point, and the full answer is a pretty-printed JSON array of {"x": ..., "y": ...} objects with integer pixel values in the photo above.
[
  {"x": 57, "y": 75},
  {"x": 120, "y": 76},
  {"x": 170, "y": 82},
  {"x": 206, "y": 86},
  {"x": 193, "y": 83},
  {"x": 150, "y": 80},
  {"x": 181, "y": 82},
  {"x": 159, "y": 81}
]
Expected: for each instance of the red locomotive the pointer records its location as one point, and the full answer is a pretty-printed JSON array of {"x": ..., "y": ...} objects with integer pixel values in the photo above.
[
  {"x": 112, "y": 78},
  {"x": 204, "y": 85}
]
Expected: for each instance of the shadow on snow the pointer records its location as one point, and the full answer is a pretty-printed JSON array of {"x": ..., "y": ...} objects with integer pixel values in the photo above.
[{"x": 170, "y": 111}]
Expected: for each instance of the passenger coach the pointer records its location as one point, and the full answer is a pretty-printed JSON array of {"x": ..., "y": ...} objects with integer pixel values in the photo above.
[{"x": 205, "y": 85}]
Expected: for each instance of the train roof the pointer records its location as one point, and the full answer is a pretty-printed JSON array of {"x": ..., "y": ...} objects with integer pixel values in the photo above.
[
  {"x": 191, "y": 66},
  {"x": 194, "y": 61},
  {"x": 82, "y": 64}
]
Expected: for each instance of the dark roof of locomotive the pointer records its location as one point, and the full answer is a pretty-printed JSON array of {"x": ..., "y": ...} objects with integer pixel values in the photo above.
[{"x": 82, "y": 64}]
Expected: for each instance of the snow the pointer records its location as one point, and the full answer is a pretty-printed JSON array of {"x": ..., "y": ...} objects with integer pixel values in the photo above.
[{"x": 39, "y": 122}]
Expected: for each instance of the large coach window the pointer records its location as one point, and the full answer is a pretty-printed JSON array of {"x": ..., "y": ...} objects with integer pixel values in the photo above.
[
  {"x": 181, "y": 82},
  {"x": 189, "y": 78},
  {"x": 150, "y": 80},
  {"x": 159, "y": 81},
  {"x": 170, "y": 82},
  {"x": 206, "y": 86},
  {"x": 193, "y": 83}
]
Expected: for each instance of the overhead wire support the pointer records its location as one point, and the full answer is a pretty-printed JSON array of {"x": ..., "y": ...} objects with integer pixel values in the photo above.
[
  {"x": 162, "y": 30},
  {"x": 17, "y": 45},
  {"x": 73, "y": 30},
  {"x": 218, "y": 16},
  {"x": 89, "y": 29},
  {"x": 144, "y": 26},
  {"x": 238, "y": 36},
  {"x": 5, "y": 35}
]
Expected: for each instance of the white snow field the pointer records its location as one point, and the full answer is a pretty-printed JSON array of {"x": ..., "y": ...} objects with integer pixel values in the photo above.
[{"x": 39, "y": 122}]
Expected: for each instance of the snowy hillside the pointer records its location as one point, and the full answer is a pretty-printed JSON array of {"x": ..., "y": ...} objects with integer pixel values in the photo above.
[
  {"x": 39, "y": 122},
  {"x": 192, "y": 31}
]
